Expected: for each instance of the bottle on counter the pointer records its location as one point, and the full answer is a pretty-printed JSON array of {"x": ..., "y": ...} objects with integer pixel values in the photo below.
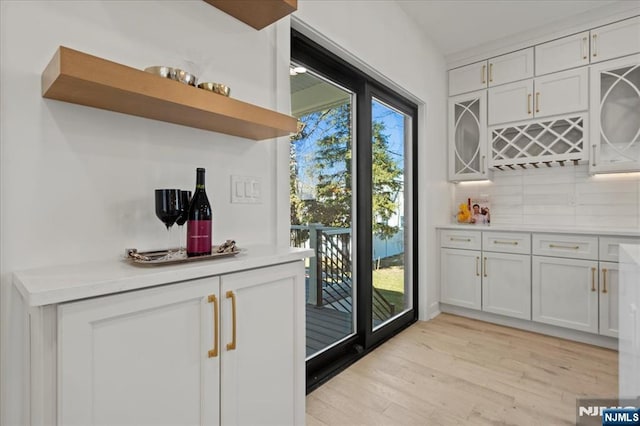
[{"x": 199, "y": 221}]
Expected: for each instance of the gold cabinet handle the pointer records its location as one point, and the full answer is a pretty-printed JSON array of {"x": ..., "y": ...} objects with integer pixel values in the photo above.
[
  {"x": 484, "y": 69},
  {"x": 593, "y": 279},
  {"x": 537, "y": 101},
  {"x": 529, "y": 103},
  {"x": 594, "y": 45},
  {"x": 593, "y": 155},
  {"x": 566, "y": 247},
  {"x": 468, "y": 240},
  {"x": 515, "y": 243},
  {"x": 585, "y": 51},
  {"x": 214, "y": 352},
  {"x": 490, "y": 73},
  {"x": 477, "y": 261},
  {"x": 604, "y": 280},
  {"x": 231, "y": 346},
  {"x": 484, "y": 267}
]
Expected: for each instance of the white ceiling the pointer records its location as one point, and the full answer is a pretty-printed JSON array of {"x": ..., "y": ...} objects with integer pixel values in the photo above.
[{"x": 458, "y": 25}]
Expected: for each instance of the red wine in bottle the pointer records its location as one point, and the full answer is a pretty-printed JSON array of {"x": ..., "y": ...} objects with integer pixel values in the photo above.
[{"x": 200, "y": 219}]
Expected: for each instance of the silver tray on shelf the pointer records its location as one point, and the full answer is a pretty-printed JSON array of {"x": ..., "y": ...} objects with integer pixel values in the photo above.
[{"x": 159, "y": 257}]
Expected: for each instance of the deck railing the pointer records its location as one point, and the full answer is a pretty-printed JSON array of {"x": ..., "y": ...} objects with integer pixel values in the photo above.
[{"x": 331, "y": 272}]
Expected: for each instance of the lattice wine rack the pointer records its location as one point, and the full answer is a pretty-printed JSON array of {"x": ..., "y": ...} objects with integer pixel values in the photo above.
[{"x": 539, "y": 143}]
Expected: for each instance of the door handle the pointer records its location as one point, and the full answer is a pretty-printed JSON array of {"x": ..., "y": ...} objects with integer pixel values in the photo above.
[
  {"x": 490, "y": 73},
  {"x": 604, "y": 280},
  {"x": 593, "y": 279},
  {"x": 593, "y": 155},
  {"x": 214, "y": 352},
  {"x": 484, "y": 267},
  {"x": 477, "y": 261},
  {"x": 537, "y": 101},
  {"x": 594, "y": 45},
  {"x": 484, "y": 69},
  {"x": 585, "y": 52},
  {"x": 484, "y": 160},
  {"x": 232, "y": 346},
  {"x": 529, "y": 103}
]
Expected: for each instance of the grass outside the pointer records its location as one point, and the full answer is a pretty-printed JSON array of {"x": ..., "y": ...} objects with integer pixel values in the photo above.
[{"x": 390, "y": 281}]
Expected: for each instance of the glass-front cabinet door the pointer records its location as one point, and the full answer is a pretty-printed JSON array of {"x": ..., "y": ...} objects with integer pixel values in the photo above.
[
  {"x": 468, "y": 137},
  {"x": 615, "y": 116}
]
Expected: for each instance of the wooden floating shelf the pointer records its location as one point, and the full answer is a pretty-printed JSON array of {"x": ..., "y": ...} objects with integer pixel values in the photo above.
[
  {"x": 80, "y": 78},
  {"x": 256, "y": 13}
]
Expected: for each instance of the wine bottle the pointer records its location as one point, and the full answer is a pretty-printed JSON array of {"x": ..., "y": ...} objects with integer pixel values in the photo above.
[{"x": 200, "y": 220}]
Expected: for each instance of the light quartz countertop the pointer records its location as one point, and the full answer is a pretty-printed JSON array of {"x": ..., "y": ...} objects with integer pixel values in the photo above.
[
  {"x": 618, "y": 232},
  {"x": 63, "y": 283}
]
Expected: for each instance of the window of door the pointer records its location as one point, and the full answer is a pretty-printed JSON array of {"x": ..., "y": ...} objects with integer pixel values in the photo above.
[{"x": 353, "y": 192}]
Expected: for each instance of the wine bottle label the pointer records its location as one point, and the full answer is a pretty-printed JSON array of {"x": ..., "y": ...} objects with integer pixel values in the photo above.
[{"x": 199, "y": 236}]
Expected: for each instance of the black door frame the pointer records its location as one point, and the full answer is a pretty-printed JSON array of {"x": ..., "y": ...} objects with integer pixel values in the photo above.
[{"x": 328, "y": 363}]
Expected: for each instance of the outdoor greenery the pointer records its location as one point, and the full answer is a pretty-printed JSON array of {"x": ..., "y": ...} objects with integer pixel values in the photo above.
[
  {"x": 331, "y": 169},
  {"x": 390, "y": 282}
]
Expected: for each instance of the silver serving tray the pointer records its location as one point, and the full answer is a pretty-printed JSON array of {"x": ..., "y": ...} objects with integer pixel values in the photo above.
[{"x": 158, "y": 257}]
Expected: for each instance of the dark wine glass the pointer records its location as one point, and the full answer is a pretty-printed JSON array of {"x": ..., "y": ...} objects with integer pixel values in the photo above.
[
  {"x": 185, "y": 197},
  {"x": 168, "y": 210}
]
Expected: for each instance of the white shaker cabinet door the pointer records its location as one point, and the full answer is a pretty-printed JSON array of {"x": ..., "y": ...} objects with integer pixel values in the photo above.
[
  {"x": 562, "y": 54},
  {"x": 506, "y": 284},
  {"x": 565, "y": 292},
  {"x": 609, "y": 299},
  {"x": 461, "y": 282},
  {"x": 562, "y": 93},
  {"x": 263, "y": 346},
  {"x": 511, "y": 67},
  {"x": 510, "y": 102},
  {"x": 139, "y": 358},
  {"x": 615, "y": 40},
  {"x": 468, "y": 78}
]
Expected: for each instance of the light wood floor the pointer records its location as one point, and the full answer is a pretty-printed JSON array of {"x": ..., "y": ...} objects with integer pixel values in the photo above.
[{"x": 457, "y": 371}]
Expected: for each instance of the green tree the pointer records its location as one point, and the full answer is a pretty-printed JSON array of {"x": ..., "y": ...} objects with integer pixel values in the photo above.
[{"x": 332, "y": 173}]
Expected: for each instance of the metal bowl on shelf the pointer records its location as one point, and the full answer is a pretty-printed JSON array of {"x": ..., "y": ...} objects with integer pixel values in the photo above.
[
  {"x": 184, "y": 77},
  {"x": 161, "y": 70},
  {"x": 218, "y": 88}
]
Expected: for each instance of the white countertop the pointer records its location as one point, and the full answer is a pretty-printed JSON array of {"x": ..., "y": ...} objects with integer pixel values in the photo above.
[
  {"x": 64, "y": 283},
  {"x": 620, "y": 232}
]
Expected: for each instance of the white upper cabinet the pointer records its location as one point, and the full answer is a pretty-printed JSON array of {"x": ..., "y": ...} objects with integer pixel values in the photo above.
[
  {"x": 615, "y": 116},
  {"x": 562, "y": 54},
  {"x": 615, "y": 40},
  {"x": 510, "y": 67},
  {"x": 511, "y": 102},
  {"x": 553, "y": 94},
  {"x": 468, "y": 78},
  {"x": 561, "y": 93},
  {"x": 468, "y": 136}
]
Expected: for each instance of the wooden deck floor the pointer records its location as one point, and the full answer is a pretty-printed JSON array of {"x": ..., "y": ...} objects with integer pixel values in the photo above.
[
  {"x": 457, "y": 371},
  {"x": 325, "y": 326}
]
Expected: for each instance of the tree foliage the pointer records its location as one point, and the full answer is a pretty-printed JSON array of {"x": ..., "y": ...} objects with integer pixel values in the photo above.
[{"x": 331, "y": 168}]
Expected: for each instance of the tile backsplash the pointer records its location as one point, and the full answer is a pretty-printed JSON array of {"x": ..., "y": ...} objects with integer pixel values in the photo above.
[{"x": 558, "y": 196}]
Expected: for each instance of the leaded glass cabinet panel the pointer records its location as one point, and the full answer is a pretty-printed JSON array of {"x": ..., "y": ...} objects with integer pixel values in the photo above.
[
  {"x": 615, "y": 121},
  {"x": 468, "y": 137}
]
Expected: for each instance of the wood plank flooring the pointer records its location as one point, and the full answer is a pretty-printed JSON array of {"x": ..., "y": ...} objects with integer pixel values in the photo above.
[{"x": 458, "y": 371}]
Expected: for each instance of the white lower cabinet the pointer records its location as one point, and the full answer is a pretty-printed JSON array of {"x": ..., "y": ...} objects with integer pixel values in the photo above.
[
  {"x": 493, "y": 282},
  {"x": 219, "y": 350},
  {"x": 461, "y": 283},
  {"x": 506, "y": 284},
  {"x": 608, "y": 296},
  {"x": 565, "y": 292}
]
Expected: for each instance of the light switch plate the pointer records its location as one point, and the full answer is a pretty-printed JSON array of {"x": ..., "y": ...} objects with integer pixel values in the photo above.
[{"x": 246, "y": 189}]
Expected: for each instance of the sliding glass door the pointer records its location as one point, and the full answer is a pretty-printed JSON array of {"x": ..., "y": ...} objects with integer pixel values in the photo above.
[{"x": 352, "y": 201}]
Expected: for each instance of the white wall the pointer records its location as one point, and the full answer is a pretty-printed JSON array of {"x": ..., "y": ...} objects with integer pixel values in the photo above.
[
  {"x": 381, "y": 39},
  {"x": 77, "y": 182},
  {"x": 559, "y": 197}
]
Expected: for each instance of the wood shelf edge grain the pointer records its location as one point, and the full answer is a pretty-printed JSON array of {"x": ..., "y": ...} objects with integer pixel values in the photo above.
[
  {"x": 256, "y": 13},
  {"x": 84, "y": 79}
]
